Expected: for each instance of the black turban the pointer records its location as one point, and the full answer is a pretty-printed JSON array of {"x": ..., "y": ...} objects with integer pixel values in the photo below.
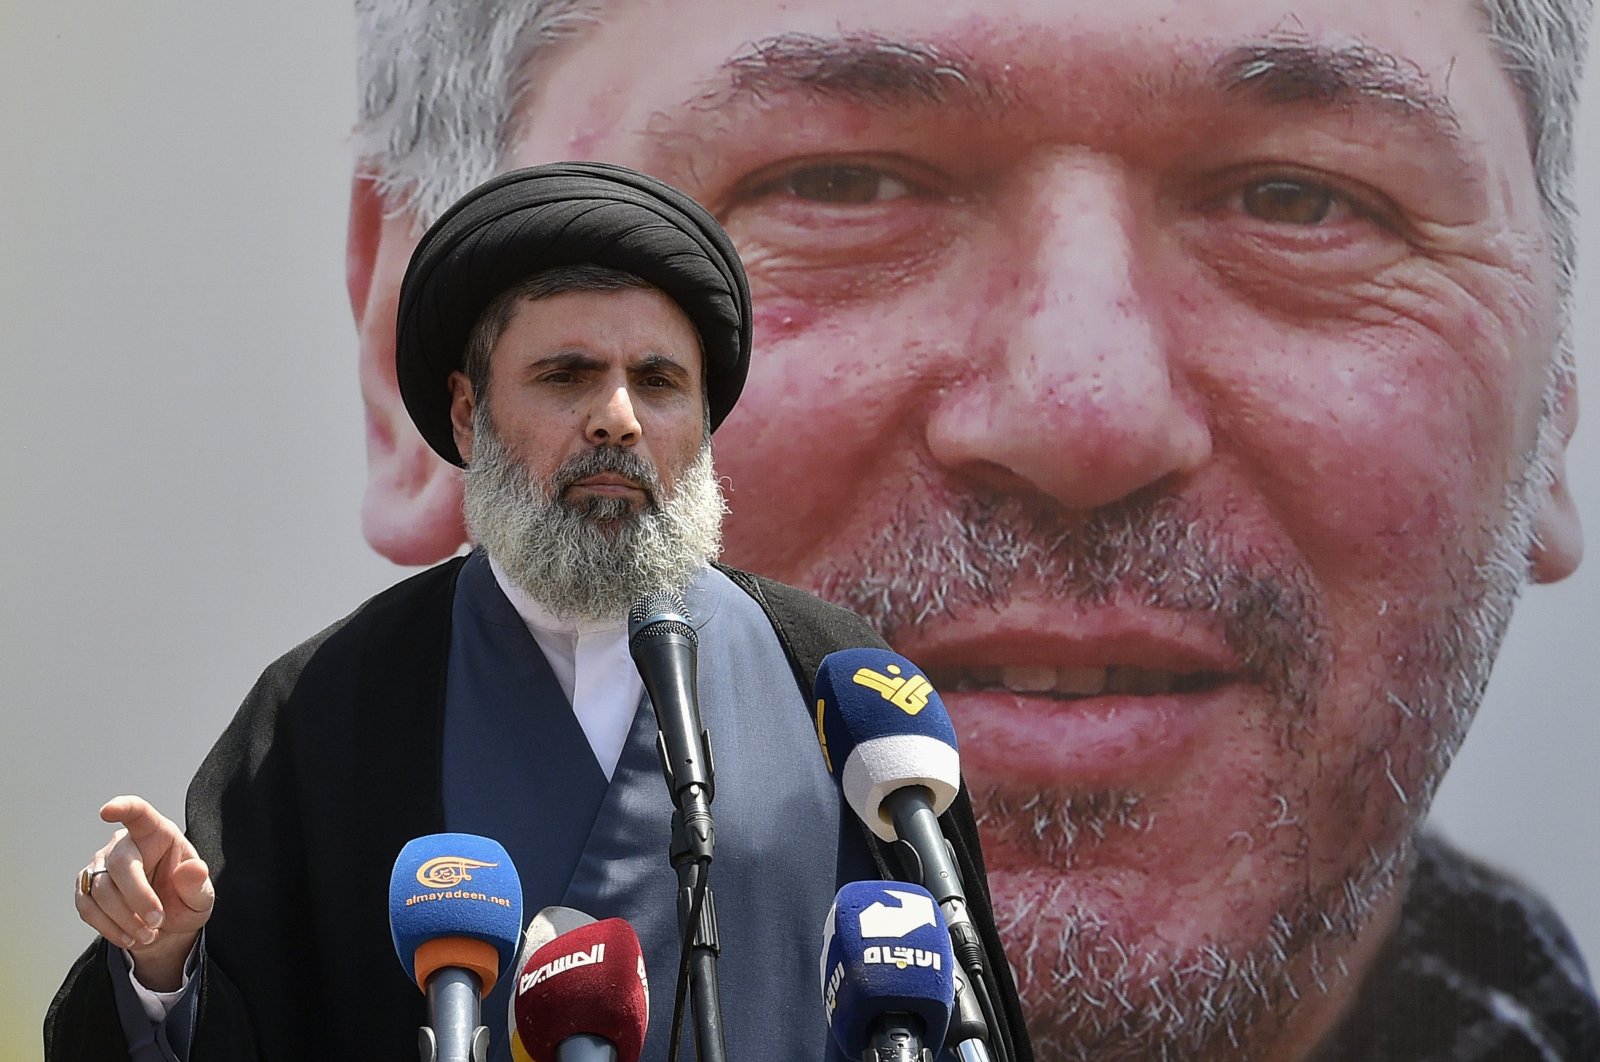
[{"x": 565, "y": 213}]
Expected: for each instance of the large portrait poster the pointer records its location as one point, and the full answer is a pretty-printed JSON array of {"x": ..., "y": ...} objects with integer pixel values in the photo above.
[{"x": 1037, "y": 341}]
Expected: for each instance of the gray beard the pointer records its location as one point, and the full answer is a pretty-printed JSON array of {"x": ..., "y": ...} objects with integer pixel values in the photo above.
[
  {"x": 592, "y": 561},
  {"x": 1089, "y": 992}
]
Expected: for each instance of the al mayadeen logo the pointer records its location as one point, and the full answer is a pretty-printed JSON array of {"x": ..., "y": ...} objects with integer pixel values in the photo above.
[{"x": 444, "y": 873}]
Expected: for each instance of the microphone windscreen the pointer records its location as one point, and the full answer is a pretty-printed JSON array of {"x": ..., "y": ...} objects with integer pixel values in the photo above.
[
  {"x": 588, "y": 981},
  {"x": 883, "y": 727},
  {"x": 885, "y": 949},
  {"x": 453, "y": 897},
  {"x": 657, "y": 613},
  {"x": 544, "y": 927}
]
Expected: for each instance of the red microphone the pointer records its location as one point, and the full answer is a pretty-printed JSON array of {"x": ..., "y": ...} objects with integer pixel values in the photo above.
[{"x": 582, "y": 997}]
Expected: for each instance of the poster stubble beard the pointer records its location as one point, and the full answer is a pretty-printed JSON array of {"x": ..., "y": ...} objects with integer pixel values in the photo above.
[{"x": 1089, "y": 992}]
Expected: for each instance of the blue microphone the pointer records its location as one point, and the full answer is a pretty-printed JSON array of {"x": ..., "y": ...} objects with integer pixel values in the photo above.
[
  {"x": 889, "y": 743},
  {"x": 455, "y": 913},
  {"x": 883, "y": 728},
  {"x": 888, "y": 976}
]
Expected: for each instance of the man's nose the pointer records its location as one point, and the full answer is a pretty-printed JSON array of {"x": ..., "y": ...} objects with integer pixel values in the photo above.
[
  {"x": 612, "y": 421},
  {"x": 1070, "y": 390}
]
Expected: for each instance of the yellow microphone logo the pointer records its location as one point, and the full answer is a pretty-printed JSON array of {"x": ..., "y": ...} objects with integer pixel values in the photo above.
[
  {"x": 909, "y": 694},
  {"x": 822, "y": 737},
  {"x": 448, "y": 871}
]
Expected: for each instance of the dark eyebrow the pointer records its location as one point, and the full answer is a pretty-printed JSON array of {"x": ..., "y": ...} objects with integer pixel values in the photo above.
[
  {"x": 564, "y": 359},
  {"x": 581, "y": 361},
  {"x": 862, "y": 68},
  {"x": 659, "y": 363},
  {"x": 1290, "y": 70}
]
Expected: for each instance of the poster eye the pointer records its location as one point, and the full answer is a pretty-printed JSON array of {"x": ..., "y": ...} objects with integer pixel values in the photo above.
[
  {"x": 843, "y": 184},
  {"x": 1289, "y": 202}
]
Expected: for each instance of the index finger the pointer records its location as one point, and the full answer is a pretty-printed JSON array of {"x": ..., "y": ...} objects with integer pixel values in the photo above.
[{"x": 139, "y": 817}]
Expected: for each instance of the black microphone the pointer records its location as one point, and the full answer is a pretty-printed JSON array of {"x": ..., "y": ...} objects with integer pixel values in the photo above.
[{"x": 663, "y": 646}]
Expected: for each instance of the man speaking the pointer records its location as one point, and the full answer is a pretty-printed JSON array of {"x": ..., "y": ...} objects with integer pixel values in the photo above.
[{"x": 571, "y": 334}]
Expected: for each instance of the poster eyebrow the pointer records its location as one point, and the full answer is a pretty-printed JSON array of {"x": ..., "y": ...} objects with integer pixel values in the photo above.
[
  {"x": 1357, "y": 75},
  {"x": 868, "y": 69},
  {"x": 880, "y": 71}
]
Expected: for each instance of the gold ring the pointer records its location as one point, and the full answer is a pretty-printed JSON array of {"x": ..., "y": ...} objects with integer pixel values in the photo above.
[{"x": 86, "y": 879}]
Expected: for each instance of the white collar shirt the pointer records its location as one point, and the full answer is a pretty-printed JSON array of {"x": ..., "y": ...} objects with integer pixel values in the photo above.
[{"x": 591, "y": 662}]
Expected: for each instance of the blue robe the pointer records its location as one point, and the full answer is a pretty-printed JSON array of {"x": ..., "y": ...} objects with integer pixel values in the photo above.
[{"x": 518, "y": 768}]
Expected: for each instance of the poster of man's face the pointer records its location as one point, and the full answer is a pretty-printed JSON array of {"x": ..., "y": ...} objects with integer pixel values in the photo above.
[
  {"x": 1185, "y": 384},
  {"x": 1182, "y": 385}
]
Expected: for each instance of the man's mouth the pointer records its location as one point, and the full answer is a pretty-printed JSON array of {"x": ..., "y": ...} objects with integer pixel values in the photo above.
[
  {"x": 1072, "y": 683},
  {"x": 607, "y": 473},
  {"x": 609, "y": 489},
  {"x": 607, "y": 483}
]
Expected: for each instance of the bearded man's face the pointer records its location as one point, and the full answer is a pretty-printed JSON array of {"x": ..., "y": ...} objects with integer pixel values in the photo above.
[{"x": 589, "y": 476}]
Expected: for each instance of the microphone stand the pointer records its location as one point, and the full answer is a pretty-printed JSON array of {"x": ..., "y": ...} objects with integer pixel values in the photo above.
[
  {"x": 452, "y": 1034},
  {"x": 693, "y": 836},
  {"x": 921, "y": 840}
]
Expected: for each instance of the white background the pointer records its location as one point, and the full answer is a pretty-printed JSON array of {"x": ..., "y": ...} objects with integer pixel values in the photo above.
[{"x": 182, "y": 449}]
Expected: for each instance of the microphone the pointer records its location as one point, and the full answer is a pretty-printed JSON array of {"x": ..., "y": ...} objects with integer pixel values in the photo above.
[
  {"x": 884, "y": 731},
  {"x": 889, "y": 743},
  {"x": 455, "y": 910},
  {"x": 546, "y": 926},
  {"x": 663, "y": 646},
  {"x": 887, "y": 972},
  {"x": 582, "y": 997},
  {"x": 663, "y": 643}
]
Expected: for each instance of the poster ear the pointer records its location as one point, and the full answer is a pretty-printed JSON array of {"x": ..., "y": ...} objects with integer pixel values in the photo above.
[
  {"x": 1558, "y": 531},
  {"x": 412, "y": 510}
]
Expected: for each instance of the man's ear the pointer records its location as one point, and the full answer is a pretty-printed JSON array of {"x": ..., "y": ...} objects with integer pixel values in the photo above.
[
  {"x": 1558, "y": 532},
  {"x": 462, "y": 404},
  {"x": 412, "y": 510}
]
